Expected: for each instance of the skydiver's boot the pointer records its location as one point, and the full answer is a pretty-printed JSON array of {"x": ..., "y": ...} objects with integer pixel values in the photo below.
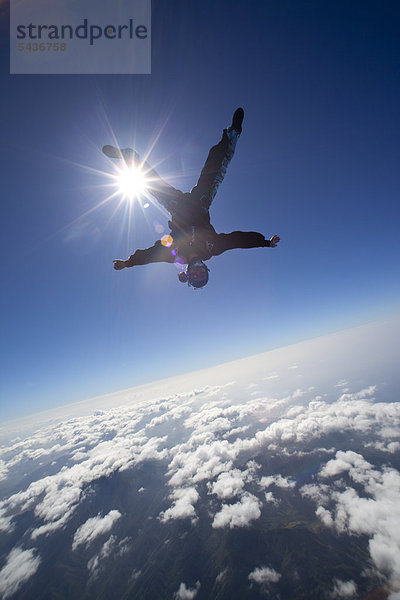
[
  {"x": 127, "y": 154},
  {"x": 237, "y": 120},
  {"x": 233, "y": 132}
]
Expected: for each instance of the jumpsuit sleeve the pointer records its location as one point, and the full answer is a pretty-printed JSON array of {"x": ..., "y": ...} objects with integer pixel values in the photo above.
[
  {"x": 239, "y": 239},
  {"x": 156, "y": 253}
]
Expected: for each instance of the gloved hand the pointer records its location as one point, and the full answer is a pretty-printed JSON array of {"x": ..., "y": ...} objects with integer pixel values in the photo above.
[
  {"x": 274, "y": 241},
  {"x": 119, "y": 264}
]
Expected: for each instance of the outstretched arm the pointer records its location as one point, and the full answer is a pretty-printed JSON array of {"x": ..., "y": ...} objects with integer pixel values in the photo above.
[
  {"x": 243, "y": 239},
  {"x": 156, "y": 253}
]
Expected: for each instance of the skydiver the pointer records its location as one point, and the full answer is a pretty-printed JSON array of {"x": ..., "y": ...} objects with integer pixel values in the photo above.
[{"x": 192, "y": 238}]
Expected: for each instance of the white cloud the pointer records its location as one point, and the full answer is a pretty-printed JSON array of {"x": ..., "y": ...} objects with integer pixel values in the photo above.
[
  {"x": 94, "y": 564},
  {"x": 228, "y": 484},
  {"x": 94, "y": 527},
  {"x": 294, "y": 411},
  {"x": 264, "y": 575},
  {"x": 343, "y": 589},
  {"x": 325, "y": 516},
  {"x": 252, "y": 385},
  {"x": 52, "y": 526},
  {"x": 5, "y": 521},
  {"x": 240, "y": 514},
  {"x": 342, "y": 383},
  {"x": 185, "y": 593},
  {"x": 269, "y": 497},
  {"x": 346, "y": 461},
  {"x": 183, "y": 506},
  {"x": 221, "y": 576},
  {"x": 235, "y": 431},
  {"x": 278, "y": 480},
  {"x": 385, "y": 552},
  {"x": 319, "y": 493},
  {"x": 391, "y": 447},
  {"x": 3, "y": 470},
  {"x": 135, "y": 574},
  {"x": 109, "y": 547},
  {"x": 231, "y": 483},
  {"x": 20, "y": 566},
  {"x": 375, "y": 513},
  {"x": 203, "y": 462}
]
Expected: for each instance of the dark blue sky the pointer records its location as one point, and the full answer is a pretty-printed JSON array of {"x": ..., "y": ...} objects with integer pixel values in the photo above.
[{"x": 317, "y": 163}]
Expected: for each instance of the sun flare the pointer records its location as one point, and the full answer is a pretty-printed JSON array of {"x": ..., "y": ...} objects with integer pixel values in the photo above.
[{"x": 131, "y": 182}]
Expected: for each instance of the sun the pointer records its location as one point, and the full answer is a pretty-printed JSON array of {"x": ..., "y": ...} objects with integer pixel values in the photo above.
[{"x": 131, "y": 182}]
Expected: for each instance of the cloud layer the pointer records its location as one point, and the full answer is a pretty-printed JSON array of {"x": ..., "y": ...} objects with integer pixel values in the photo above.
[{"x": 227, "y": 457}]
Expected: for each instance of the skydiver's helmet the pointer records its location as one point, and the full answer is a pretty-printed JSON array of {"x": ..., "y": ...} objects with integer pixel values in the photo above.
[{"x": 196, "y": 274}]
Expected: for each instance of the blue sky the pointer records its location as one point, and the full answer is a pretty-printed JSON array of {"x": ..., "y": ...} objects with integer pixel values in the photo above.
[{"x": 317, "y": 163}]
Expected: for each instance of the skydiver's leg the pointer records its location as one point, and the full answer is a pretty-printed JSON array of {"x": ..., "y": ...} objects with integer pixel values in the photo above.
[
  {"x": 165, "y": 194},
  {"x": 216, "y": 164}
]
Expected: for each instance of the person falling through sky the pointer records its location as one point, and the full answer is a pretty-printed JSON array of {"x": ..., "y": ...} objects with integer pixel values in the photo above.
[{"x": 192, "y": 239}]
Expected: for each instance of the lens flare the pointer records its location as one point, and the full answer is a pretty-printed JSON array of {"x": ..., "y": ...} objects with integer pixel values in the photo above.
[{"x": 167, "y": 240}]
